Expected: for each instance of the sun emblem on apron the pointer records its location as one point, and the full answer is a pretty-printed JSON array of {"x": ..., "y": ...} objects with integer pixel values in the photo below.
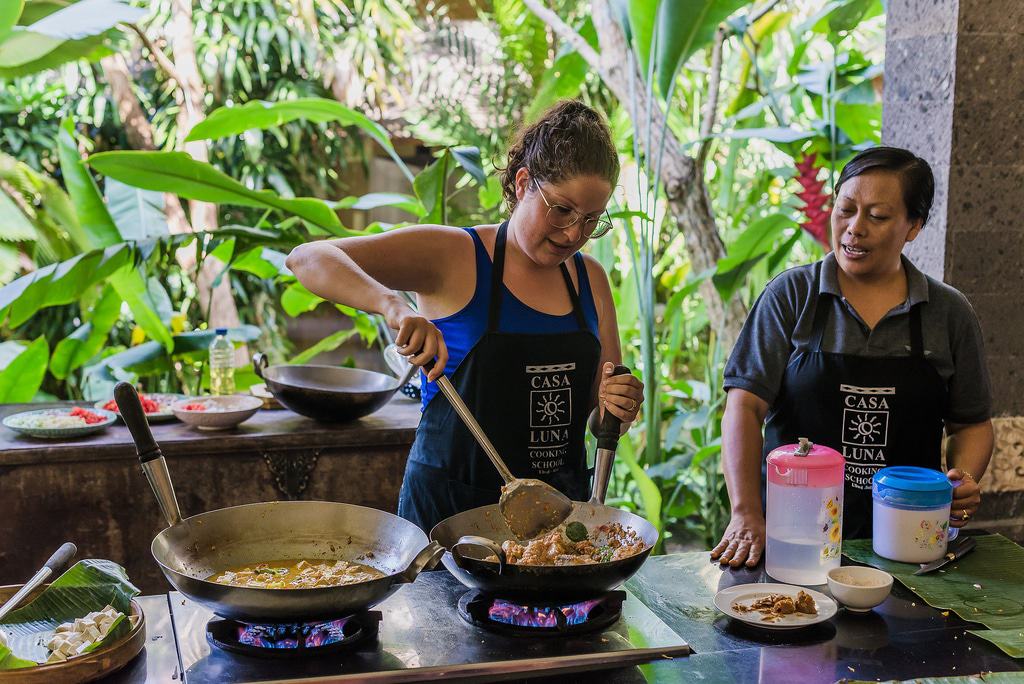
[{"x": 550, "y": 408}]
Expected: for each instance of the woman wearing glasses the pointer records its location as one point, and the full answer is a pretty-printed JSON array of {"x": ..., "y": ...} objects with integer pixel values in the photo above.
[{"x": 521, "y": 322}]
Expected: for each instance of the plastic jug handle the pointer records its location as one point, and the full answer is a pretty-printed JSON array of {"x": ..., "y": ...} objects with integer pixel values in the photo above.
[{"x": 953, "y": 531}]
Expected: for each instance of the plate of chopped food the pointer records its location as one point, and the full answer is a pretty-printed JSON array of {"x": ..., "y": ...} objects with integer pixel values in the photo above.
[
  {"x": 60, "y": 423},
  {"x": 217, "y": 412},
  {"x": 157, "y": 406},
  {"x": 775, "y": 606}
]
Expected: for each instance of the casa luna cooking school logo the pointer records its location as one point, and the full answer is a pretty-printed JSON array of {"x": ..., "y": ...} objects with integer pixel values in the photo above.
[
  {"x": 865, "y": 431},
  {"x": 550, "y": 415}
]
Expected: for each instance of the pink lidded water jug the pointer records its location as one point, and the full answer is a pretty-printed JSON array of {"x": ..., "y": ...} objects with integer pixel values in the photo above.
[{"x": 805, "y": 512}]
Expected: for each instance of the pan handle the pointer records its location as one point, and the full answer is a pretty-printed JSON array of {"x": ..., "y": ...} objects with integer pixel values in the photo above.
[
  {"x": 427, "y": 559},
  {"x": 152, "y": 459},
  {"x": 259, "y": 364},
  {"x": 607, "y": 440},
  {"x": 608, "y": 430},
  {"x": 474, "y": 540}
]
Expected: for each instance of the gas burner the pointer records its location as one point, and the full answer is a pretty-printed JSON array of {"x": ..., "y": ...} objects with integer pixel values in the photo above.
[
  {"x": 289, "y": 640},
  {"x": 540, "y": 618}
]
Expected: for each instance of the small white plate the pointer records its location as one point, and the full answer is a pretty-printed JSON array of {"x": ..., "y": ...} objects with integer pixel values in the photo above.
[{"x": 748, "y": 593}]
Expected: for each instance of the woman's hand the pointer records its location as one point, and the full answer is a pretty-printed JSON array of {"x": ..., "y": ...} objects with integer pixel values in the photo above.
[
  {"x": 621, "y": 394},
  {"x": 966, "y": 497},
  {"x": 742, "y": 542},
  {"x": 418, "y": 339}
]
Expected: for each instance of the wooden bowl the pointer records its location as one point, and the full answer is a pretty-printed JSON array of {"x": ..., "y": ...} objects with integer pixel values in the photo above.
[{"x": 84, "y": 668}]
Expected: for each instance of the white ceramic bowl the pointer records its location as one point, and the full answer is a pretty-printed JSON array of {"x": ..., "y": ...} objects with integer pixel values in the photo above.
[
  {"x": 221, "y": 412},
  {"x": 859, "y": 588}
]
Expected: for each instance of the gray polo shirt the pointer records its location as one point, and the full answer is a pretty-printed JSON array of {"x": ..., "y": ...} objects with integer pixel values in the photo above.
[{"x": 779, "y": 326}]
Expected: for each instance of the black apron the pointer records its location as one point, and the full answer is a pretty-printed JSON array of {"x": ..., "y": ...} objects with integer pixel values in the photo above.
[
  {"x": 531, "y": 395},
  {"x": 876, "y": 411}
]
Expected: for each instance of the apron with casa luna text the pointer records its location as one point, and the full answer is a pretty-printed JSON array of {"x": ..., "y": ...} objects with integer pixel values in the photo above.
[
  {"x": 531, "y": 395},
  {"x": 877, "y": 411}
]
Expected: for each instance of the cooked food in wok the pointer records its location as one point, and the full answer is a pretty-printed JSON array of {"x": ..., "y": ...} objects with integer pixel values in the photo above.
[
  {"x": 572, "y": 544},
  {"x": 296, "y": 574}
]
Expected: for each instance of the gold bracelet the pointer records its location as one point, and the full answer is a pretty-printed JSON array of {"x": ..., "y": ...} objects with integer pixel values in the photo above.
[{"x": 968, "y": 476}]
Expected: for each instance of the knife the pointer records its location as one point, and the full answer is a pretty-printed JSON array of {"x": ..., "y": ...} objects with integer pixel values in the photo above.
[{"x": 960, "y": 548}]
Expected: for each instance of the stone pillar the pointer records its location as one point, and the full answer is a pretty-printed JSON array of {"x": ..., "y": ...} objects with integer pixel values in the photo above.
[{"x": 954, "y": 94}]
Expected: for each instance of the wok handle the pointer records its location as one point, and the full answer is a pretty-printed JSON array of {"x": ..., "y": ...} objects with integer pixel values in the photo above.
[
  {"x": 474, "y": 540},
  {"x": 152, "y": 459},
  {"x": 427, "y": 559},
  {"x": 259, "y": 364},
  {"x": 607, "y": 440},
  {"x": 608, "y": 429}
]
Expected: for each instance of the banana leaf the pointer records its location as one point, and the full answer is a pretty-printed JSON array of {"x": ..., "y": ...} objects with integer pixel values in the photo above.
[
  {"x": 984, "y": 586},
  {"x": 88, "y": 586}
]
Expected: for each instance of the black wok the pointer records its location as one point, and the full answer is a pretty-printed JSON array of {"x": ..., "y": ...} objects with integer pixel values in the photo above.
[
  {"x": 326, "y": 393},
  {"x": 475, "y": 535},
  {"x": 191, "y": 550}
]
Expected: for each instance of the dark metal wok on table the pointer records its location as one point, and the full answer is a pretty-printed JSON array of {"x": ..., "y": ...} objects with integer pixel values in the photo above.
[
  {"x": 327, "y": 393},
  {"x": 547, "y": 581},
  {"x": 472, "y": 536},
  {"x": 192, "y": 549}
]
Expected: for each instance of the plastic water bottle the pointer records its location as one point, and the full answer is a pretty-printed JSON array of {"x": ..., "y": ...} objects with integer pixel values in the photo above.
[{"x": 222, "y": 364}]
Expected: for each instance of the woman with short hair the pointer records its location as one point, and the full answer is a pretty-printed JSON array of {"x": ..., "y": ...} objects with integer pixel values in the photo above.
[{"x": 860, "y": 352}]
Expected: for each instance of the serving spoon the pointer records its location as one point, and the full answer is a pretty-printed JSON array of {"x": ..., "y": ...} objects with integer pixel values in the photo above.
[{"x": 529, "y": 506}]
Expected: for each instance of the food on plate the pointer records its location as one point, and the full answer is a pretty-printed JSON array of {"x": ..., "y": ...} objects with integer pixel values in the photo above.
[
  {"x": 194, "y": 406},
  {"x": 296, "y": 574},
  {"x": 75, "y": 418},
  {"x": 88, "y": 416},
  {"x": 74, "y": 638},
  {"x": 774, "y": 607},
  {"x": 148, "y": 405},
  {"x": 558, "y": 547},
  {"x": 805, "y": 604}
]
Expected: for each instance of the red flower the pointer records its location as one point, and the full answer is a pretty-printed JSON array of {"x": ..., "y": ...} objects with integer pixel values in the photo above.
[{"x": 815, "y": 208}]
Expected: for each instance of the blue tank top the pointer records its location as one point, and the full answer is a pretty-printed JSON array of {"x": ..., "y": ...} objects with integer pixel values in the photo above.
[{"x": 464, "y": 328}]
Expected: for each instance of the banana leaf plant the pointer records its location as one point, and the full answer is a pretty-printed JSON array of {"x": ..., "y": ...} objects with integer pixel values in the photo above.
[
  {"x": 36, "y": 35},
  {"x": 122, "y": 251}
]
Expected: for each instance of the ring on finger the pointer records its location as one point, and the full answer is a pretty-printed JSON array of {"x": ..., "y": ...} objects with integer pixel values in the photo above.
[
  {"x": 632, "y": 405},
  {"x": 965, "y": 515}
]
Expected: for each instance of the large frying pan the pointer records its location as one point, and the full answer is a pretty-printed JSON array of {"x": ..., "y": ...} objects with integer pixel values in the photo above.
[
  {"x": 477, "y": 534},
  {"x": 191, "y": 550},
  {"x": 326, "y": 393}
]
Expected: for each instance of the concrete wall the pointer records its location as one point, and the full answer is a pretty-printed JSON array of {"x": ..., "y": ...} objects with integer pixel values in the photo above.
[{"x": 954, "y": 93}]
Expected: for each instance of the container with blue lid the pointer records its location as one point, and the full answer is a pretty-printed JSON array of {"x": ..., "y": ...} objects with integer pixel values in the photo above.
[
  {"x": 910, "y": 512},
  {"x": 911, "y": 487}
]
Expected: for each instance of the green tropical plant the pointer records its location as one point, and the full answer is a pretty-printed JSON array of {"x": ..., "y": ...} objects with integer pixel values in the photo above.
[{"x": 121, "y": 254}]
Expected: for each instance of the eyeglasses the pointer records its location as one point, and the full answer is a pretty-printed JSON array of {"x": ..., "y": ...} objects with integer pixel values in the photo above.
[{"x": 562, "y": 217}]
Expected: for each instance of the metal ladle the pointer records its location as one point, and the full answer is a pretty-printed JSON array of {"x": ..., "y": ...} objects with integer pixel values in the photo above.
[{"x": 529, "y": 506}]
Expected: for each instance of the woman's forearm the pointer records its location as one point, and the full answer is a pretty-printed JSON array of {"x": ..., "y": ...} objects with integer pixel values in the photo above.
[
  {"x": 742, "y": 444},
  {"x": 328, "y": 272},
  {"x": 969, "y": 447}
]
